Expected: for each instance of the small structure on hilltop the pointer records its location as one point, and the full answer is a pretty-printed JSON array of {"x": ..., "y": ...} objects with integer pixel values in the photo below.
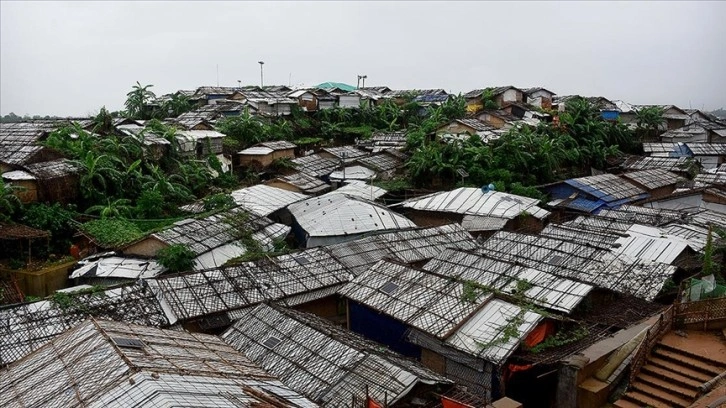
[{"x": 264, "y": 154}]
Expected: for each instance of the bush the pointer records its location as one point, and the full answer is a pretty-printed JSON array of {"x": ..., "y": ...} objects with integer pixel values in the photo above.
[
  {"x": 176, "y": 258},
  {"x": 112, "y": 232},
  {"x": 150, "y": 204}
]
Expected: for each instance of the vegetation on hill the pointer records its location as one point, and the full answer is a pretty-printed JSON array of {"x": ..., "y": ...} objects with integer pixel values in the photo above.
[{"x": 120, "y": 178}]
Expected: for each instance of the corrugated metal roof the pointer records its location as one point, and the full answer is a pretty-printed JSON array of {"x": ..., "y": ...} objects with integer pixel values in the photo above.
[
  {"x": 208, "y": 292},
  {"x": 315, "y": 165},
  {"x": 337, "y": 214},
  {"x": 581, "y": 261},
  {"x": 425, "y": 300},
  {"x": 52, "y": 169},
  {"x": 474, "y": 201},
  {"x": 305, "y": 182},
  {"x": 119, "y": 365},
  {"x": 204, "y": 234},
  {"x": 337, "y": 363},
  {"x": 256, "y": 151},
  {"x": 678, "y": 164},
  {"x": 346, "y": 153},
  {"x": 654, "y": 178},
  {"x": 353, "y": 173},
  {"x": 646, "y": 243},
  {"x": 263, "y": 200},
  {"x": 483, "y": 334},
  {"x": 362, "y": 190},
  {"x": 408, "y": 246},
  {"x": 483, "y": 223},
  {"x": 118, "y": 267},
  {"x": 28, "y": 326},
  {"x": 546, "y": 290},
  {"x": 381, "y": 162},
  {"x": 607, "y": 187}
]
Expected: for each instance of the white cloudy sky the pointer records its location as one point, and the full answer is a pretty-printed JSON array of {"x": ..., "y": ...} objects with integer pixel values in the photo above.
[{"x": 65, "y": 58}]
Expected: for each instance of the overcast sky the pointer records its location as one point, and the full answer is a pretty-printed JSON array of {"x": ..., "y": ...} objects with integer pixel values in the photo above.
[{"x": 62, "y": 58}]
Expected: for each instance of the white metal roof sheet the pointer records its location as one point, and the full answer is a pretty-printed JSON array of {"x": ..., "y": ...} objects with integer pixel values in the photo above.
[
  {"x": 118, "y": 267},
  {"x": 474, "y": 201},
  {"x": 361, "y": 189},
  {"x": 484, "y": 333},
  {"x": 338, "y": 214},
  {"x": 256, "y": 151},
  {"x": 264, "y": 200}
]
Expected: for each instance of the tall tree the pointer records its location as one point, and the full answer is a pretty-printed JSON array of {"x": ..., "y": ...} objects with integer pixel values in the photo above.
[{"x": 137, "y": 101}]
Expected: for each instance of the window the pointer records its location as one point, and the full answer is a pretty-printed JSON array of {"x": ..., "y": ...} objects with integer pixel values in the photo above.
[
  {"x": 389, "y": 288},
  {"x": 128, "y": 343},
  {"x": 271, "y": 342}
]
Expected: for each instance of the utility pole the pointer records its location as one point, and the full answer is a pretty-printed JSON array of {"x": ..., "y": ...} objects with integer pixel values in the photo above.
[
  {"x": 262, "y": 82},
  {"x": 363, "y": 77}
]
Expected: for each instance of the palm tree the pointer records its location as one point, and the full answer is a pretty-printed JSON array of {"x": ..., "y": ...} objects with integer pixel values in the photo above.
[
  {"x": 98, "y": 175},
  {"x": 178, "y": 104},
  {"x": 103, "y": 122},
  {"x": 167, "y": 187},
  {"x": 137, "y": 101},
  {"x": 649, "y": 120},
  {"x": 9, "y": 201},
  {"x": 112, "y": 209}
]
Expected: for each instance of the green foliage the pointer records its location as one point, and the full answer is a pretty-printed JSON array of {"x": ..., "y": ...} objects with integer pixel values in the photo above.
[
  {"x": 561, "y": 338},
  {"x": 56, "y": 218},
  {"x": 472, "y": 290},
  {"x": 710, "y": 266},
  {"x": 112, "y": 232},
  {"x": 282, "y": 163},
  {"x": 31, "y": 299},
  {"x": 487, "y": 99},
  {"x": 531, "y": 192},
  {"x": 245, "y": 129},
  {"x": 649, "y": 120},
  {"x": 137, "y": 101},
  {"x": 176, "y": 257},
  {"x": 393, "y": 185},
  {"x": 9, "y": 201},
  {"x": 112, "y": 209},
  {"x": 219, "y": 201},
  {"x": 307, "y": 141},
  {"x": 177, "y": 104},
  {"x": 150, "y": 204}
]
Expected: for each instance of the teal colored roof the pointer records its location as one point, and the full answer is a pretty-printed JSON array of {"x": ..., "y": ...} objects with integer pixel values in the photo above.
[{"x": 339, "y": 85}]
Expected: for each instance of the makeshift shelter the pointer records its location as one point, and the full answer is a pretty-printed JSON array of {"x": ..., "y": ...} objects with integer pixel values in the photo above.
[
  {"x": 111, "y": 364},
  {"x": 300, "y": 182},
  {"x": 477, "y": 210},
  {"x": 593, "y": 193},
  {"x": 443, "y": 322},
  {"x": 27, "y": 327},
  {"x": 337, "y": 367},
  {"x": 214, "y": 239},
  {"x": 334, "y": 218},
  {"x": 19, "y": 233},
  {"x": 315, "y": 165},
  {"x": 209, "y": 299}
]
